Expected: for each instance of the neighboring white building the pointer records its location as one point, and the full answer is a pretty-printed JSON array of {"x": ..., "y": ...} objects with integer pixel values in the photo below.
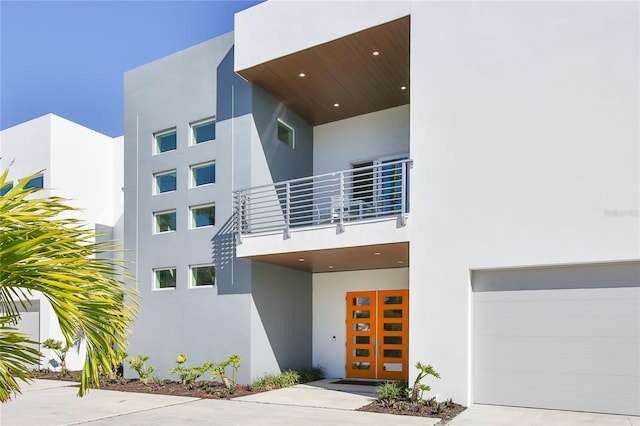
[
  {"x": 455, "y": 183},
  {"x": 76, "y": 163}
]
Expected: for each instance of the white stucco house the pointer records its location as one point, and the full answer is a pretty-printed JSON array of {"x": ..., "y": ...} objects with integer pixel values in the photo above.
[
  {"x": 367, "y": 185},
  {"x": 76, "y": 163}
]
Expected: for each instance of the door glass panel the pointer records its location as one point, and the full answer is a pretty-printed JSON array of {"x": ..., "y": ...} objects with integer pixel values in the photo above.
[
  {"x": 393, "y": 326},
  {"x": 392, "y": 300},
  {"x": 362, "y": 352},
  {"x": 392, "y": 340},
  {"x": 361, "y": 326},
  {"x": 362, "y": 314},
  {"x": 360, "y": 365},
  {"x": 361, "y": 301},
  {"x": 392, "y": 366},
  {"x": 393, "y": 313},
  {"x": 361, "y": 340},
  {"x": 392, "y": 353}
]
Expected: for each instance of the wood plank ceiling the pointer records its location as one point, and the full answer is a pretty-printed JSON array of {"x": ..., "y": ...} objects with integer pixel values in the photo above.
[{"x": 343, "y": 72}]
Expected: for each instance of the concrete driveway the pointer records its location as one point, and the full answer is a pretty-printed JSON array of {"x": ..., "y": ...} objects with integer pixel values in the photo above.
[{"x": 47, "y": 402}]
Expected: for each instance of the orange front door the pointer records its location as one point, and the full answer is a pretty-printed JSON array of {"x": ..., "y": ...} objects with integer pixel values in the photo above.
[{"x": 378, "y": 334}]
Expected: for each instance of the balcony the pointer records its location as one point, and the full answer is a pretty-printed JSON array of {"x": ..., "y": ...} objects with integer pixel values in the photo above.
[{"x": 314, "y": 213}]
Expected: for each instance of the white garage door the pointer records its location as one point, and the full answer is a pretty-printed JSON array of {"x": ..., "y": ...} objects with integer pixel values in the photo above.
[
  {"x": 29, "y": 323},
  {"x": 561, "y": 338}
]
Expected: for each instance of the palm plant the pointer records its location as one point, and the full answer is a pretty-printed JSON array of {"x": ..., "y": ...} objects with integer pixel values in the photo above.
[{"x": 44, "y": 249}]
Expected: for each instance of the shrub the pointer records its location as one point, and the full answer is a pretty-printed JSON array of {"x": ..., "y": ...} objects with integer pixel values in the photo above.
[
  {"x": 219, "y": 371},
  {"x": 144, "y": 371},
  {"x": 391, "y": 391},
  {"x": 418, "y": 387},
  {"x": 276, "y": 381},
  {"x": 60, "y": 349},
  {"x": 187, "y": 374},
  {"x": 312, "y": 374}
]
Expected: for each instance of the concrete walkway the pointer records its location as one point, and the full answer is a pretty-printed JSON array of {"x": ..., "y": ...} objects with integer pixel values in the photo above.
[{"x": 49, "y": 402}]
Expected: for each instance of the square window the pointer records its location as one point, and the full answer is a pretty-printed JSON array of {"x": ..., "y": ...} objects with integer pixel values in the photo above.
[
  {"x": 203, "y": 174},
  {"x": 165, "y": 278},
  {"x": 35, "y": 182},
  {"x": 165, "y": 182},
  {"x": 165, "y": 142},
  {"x": 6, "y": 188},
  {"x": 203, "y": 216},
  {"x": 164, "y": 221},
  {"x": 203, "y": 132},
  {"x": 285, "y": 134},
  {"x": 204, "y": 275}
]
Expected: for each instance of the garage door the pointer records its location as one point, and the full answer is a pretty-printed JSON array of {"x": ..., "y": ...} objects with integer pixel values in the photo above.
[
  {"x": 562, "y": 338},
  {"x": 29, "y": 323}
]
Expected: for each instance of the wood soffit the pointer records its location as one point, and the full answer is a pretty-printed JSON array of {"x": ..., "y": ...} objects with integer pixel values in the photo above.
[
  {"x": 395, "y": 255},
  {"x": 343, "y": 71}
]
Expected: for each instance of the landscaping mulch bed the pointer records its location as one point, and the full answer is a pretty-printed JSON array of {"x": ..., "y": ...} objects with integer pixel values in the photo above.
[
  {"x": 216, "y": 390},
  {"x": 443, "y": 410}
]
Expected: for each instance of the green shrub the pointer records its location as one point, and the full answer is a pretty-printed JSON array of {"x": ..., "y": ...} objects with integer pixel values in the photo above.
[
  {"x": 418, "y": 387},
  {"x": 312, "y": 374},
  {"x": 187, "y": 374},
  {"x": 144, "y": 371},
  {"x": 60, "y": 349},
  {"x": 276, "y": 381},
  {"x": 218, "y": 370},
  {"x": 391, "y": 391}
]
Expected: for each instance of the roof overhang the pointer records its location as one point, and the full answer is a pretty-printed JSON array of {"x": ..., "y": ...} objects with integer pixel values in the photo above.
[
  {"x": 344, "y": 77},
  {"x": 380, "y": 256}
]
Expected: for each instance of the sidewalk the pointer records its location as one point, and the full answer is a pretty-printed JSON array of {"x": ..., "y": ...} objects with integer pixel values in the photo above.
[{"x": 47, "y": 402}]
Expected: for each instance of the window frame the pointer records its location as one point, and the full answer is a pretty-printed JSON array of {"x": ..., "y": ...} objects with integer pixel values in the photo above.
[
  {"x": 156, "y": 231},
  {"x": 40, "y": 177},
  {"x": 194, "y": 125},
  {"x": 160, "y": 134},
  {"x": 192, "y": 275},
  {"x": 156, "y": 189},
  {"x": 192, "y": 209},
  {"x": 280, "y": 122},
  {"x": 8, "y": 186},
  {"x": 156, "y": 282},
  {"x": 192, "y": 181}
]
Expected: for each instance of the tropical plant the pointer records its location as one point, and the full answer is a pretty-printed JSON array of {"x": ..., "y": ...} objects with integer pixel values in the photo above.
[
  {"x": 276, "y": 381},
  {"x": 218, "y": 370},
  {"x": 312, "y": 374},
  {"x": 138, "y": 363},
  {"x": 44, "y": 249},
  {"x": 418, "y": 388},
  {"x": 60, "y": 349},
  {"x": 391, "y": 391},
  {"x": 187, "y": 374}
]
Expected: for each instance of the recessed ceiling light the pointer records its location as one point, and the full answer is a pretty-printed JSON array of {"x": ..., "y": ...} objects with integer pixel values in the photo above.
[
  {"x": 301, "y": 260},
  {"x": 376, "y": 53},
  {"x": 377, "y": 253},
  {"x": 403, "y": 87},
  {"x": 400, "y": 261},
  {"x": 302, "y": 75},
  {"x": 336, "y": 105},
  {"x": 330, "y": 266}
]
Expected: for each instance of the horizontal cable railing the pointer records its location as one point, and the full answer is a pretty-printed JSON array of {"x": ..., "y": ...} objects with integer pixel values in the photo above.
[{"x": 337, "y": 198}]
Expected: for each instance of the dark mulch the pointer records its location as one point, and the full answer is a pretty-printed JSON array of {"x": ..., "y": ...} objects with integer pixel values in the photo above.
[
  {"x": 444, "y": 410},
  {"x": 200, "y": 389},
  {"x": 216, "y": 390}
]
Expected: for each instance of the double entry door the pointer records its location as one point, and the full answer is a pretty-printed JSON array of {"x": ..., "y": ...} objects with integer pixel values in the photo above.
[{"x": 378, "y": 334}]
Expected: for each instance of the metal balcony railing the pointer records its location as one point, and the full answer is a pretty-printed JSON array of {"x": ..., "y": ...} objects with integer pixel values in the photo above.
[{"x": 380, "y": 190}]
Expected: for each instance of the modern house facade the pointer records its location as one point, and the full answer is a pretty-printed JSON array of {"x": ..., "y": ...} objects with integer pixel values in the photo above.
[
  {"x": 76, "y": 163},
  {"x": 382, "y": 183}
]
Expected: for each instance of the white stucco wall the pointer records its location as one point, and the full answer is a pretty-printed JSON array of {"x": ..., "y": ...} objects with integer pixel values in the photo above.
[
  {"x": 339, "y": 145},
  {"x": 79, "y": 164},
  {"x": 308, "y": 23},
  {"x": 329, "y": 310},
  {"x": 524, "y": 135}
]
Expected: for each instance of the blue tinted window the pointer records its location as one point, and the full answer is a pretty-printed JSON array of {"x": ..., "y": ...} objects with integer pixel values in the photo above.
[
  {"x": 165, "y": 182},
  {"x": 36, "y": 182},
  {"x": 204, "y": 132},
  {"x": 203, "y": 216},
  {"x": 5, "y": 189},
  {"x": 205, "y": 174},
  {"x": 166, "y": 142}
]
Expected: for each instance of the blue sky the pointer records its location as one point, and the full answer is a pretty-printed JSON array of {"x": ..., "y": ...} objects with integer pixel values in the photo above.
[{"x": 69, "y": 57}]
